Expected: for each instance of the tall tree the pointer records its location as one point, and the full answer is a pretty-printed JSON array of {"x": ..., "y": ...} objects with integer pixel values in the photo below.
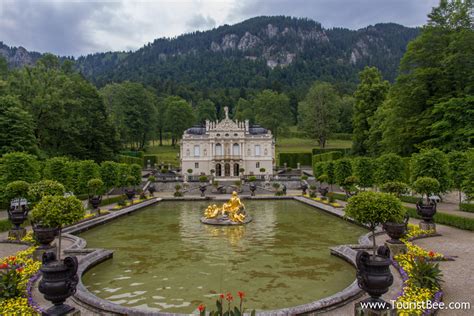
[
  {"x": 370, "y": 94},
  {"x": 318, "y": 112},
  {"x": 431, "y": 102},
  {"x": 272, "y": 111},
  {"x": 178, "y": 117},
  {"x": 205, "y": 110},
  {"x": 16, "y": 127},
  {"x": 245, "y": 111}
]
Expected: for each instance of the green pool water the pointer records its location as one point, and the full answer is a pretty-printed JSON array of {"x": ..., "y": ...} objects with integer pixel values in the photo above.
[{"x": 165, "y": 259}]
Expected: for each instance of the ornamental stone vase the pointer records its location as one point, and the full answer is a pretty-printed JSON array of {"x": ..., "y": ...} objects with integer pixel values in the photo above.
[
  {"x": 130, "y": 193},
  {"x": 304, "y": 187},
  {"x": 44, "y": 235},
  {"x": 396, "y": 230},
  {"x": 426, "y": 211},
  {"x": 374, "y": 276},
  {"x": 253, "y": 188},
  {"x": 17, "y": 215},
  {"x": 203, "y": 189},
  {"x": 151, "y": 189},
  {"x": 323, "y": 191},
  {"x": 59, "y": 282},
  {"x": 95, "y": 201}
]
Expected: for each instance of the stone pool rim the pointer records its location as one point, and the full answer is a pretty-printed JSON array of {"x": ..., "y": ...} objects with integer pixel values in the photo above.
[{"x": 94, "y": 257}]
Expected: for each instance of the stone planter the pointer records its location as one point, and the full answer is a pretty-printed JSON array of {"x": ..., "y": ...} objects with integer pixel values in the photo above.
[
  {"x": 59, "y": 282},
  {"x": 95, "y": 201},
  {"x": 323, "y": 191},
  {"x": 151, "y": 189},
  {"x": 203, "y": 189},
  {"x": 130, "y": 193},
  {"x": 44, "y": 235},
  {"x": 396, "y": 230},
  {"x": 17, "y": 216},
  {"x": 303, "y": 188},
  {"x": 253, "y": 188},
  {"x": 426, "y": 211},
  {"x": 374, "y": 276}
]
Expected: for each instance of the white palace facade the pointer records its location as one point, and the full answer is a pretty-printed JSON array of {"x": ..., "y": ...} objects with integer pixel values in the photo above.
[{"x": 227, "y": 148}]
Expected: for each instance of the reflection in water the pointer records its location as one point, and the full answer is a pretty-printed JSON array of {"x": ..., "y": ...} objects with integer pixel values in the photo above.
[{"x": 166, "y": 259}]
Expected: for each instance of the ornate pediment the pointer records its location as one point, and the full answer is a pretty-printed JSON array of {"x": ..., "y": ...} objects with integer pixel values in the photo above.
[{"x": 227, "y": 124}]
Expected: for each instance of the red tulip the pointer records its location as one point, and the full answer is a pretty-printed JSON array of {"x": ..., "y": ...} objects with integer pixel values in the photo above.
[
  {"x": 3, "y": 266},
  {"x": 201, "y": 307},
  {"x": 221, "y": 296},
  {"x": 229, "y": 297},
  {"x": 431, "y": 254},
  {"x": 19, "y": 270},
  {"x": 241, "y": 294}
]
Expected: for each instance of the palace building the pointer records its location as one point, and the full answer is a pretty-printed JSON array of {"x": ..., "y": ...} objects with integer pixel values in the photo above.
[{"x": 227, "y": 148}]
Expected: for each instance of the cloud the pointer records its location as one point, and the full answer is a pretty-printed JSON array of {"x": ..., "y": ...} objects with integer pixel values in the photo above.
[
  {"x": 200, "y": 22},
  {"x": 78, "y": 27}
]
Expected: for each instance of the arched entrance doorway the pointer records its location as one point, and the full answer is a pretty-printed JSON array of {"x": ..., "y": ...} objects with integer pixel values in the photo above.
[
  {"x": 227, "y": 170},
  {"x": 218, "y": 170},
  {"x": 236, "y": 169}
]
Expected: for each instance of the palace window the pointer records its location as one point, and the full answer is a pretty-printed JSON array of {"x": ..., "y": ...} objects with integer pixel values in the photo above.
[
  {"x": 187, "y": 153},
  {"x": 197, "y": 151},
  {"x": 257, "y": 150},
  {"x": 218, "y": 150},
  {"x": 257, "y": 165},
  {"x": 236, "y": 150},
  {"x": 196, "y": 165}
]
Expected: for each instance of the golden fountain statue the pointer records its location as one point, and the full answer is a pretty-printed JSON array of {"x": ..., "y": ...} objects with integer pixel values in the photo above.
[{"x": 230, "y": 213}]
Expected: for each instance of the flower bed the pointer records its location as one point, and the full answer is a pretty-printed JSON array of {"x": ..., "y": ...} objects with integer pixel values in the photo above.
[
  {"x": 416, "y": 267},
  {"x": 127, "y": 203},
  {"x": 324, "y": 201},
  {"x": 16, "y": 272}
]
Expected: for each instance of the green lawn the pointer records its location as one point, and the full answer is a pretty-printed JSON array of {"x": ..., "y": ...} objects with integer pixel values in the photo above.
[{"x": 168, "y": 154}]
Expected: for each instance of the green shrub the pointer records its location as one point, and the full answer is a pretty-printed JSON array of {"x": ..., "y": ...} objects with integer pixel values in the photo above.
[
  {"x": 426, "y": 186},
  {"x": 390, "y": 167},
  {"x": 292, "y": 159},
  {"x": 136, "y": 173},
  {"x": 19, "y": 166},
  {"x": 88, "y": 170},
  {"x": 466, "y": 207},
  {"x": 251, "y": 179},
  {"x": 57, "y": 168},
  {"x": 262, "y": 169},
  {"x": 318, "y": 169},
  {"x": 395, "y": 187},
  {"x": 426, "y": 274},
  {"x": 44, "y": 188},
  {"x": 5, "y": 225},
  {"x": 16, "y": 189},
  {"x": 132, "y": 153},
  {"x": 409, "y": 199},
  {"x": 431, "y": 163},
  {"x": 95, "y": 186},
  {"x": 342, "y": 170},
  {"x": 339, "y": 196},
  {"x": 332, "y": 155},
  {"x": 58, "y": 211},
  {"x": 203, "y": 179},
  {"x": 109, "y": 171},
  {"x": 112, "y": 200},
  {"x": 364, "y": 170}
]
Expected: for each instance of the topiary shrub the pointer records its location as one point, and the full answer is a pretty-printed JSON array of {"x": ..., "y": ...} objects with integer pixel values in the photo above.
[
  {"x": 373, "y": 208},
  {"x": 394, "y": 187},
  {"x": 16, "y": 189},
  {"x": 44, "y": 188},
  {"x": 426, "y": 186},
  {"x": 262, "y": 170},
  {"x": 203, "y": 179}
]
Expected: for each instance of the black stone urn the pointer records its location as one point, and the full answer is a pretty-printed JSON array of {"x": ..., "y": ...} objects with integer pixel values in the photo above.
[
  {"x": 95, "y": 201},
  {"x": 253, "y": 188},
  {"x": 426, "y": 211},
  {"x": 130, "y": 193},
  {"x": 44, "y": 235},
  {"x": 203, "y": 189},
  {"x": 304, "y": 187},
  {"x": 396, "y": 230},
  {"x": 17, "y": 215},
  {"x": 151, "y": 189},
  {"x": 374, "y": 276},
  {"x": 283, "y": 189},
  {"x": 323, "y": 191},
  {"x": 59, "y": 282}
]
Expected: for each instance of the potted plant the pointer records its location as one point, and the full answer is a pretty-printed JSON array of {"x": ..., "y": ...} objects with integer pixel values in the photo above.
[
  {"x": 425, "y": 186},
  {"x": 252, "y": 185},
  {"x": 312, "y": 191},
  {"x": 95, "y": 189},
  {"x": 349, "y": 185},
  {"x": 55, "y": 212},
  {"x": 15, "y": 192},
  {"x": 262, "y": 170},
  {"x": 59, "y": 276},
  {"x": 396, "y": 188},
  {"x": 151, "y": 187},
  {"x": 177, "y": 192},
  {"x": 44, "y": 188},
  {"x": 373, "y": 271}
]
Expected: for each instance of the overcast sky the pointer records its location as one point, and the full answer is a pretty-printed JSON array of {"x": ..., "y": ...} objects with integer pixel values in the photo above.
[{"x": 81, "y": 27}]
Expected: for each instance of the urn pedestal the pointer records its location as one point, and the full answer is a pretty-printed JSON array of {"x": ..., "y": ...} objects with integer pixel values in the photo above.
[
  {"x": 17, "y": 215},
  {"x": 58, "y": 282},
  {"x": 427, "y": 212}
]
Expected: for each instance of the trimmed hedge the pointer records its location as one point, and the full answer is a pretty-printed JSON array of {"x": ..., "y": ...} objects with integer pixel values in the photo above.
[
  {"x": 341, "y": 136},
  {"x": 447, "y": 219},
  {"x": 130, "y": 160},
  {"x": 132, "y": 153},
  {"x": 466, "y": 207},
  {"x": 292, "y": 159},
  {"x": 5, "y": 225},
  {"x": 343, "y": 151},
  {"x": 332, "y": 155},
  {"x": 340, "y": 196},
  {"x": 153, "y": 159},
  {"x": 112, "y": 200}
]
